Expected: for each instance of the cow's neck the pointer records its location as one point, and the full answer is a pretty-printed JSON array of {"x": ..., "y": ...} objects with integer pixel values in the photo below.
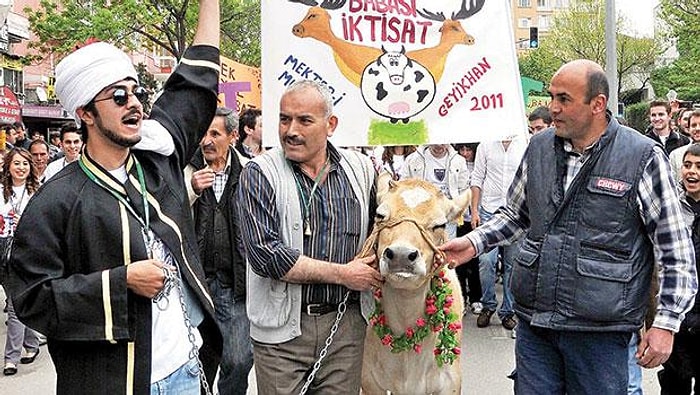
[{"x": 403, "y": 307}]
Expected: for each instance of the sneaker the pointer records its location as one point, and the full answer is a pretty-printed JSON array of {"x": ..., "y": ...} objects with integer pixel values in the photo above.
[
  {"x": 10, "y": 369},
  {"x": 30, "y": 357},
  {"x": 477, "y": 308},
  {"x": 484, "y": 318},
  {"x": 509, "y": 322}
]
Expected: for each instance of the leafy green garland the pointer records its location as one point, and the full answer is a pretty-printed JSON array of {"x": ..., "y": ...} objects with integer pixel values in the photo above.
[{"x": 438, "y": 317}]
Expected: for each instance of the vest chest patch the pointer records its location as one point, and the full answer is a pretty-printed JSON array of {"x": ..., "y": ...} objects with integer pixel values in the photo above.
[{"x": 609, "y": 186}]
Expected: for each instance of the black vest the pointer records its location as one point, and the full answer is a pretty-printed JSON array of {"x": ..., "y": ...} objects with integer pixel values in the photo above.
[
  {"x": 586, "y": 261},
  {"x": 216, "y": 227}
]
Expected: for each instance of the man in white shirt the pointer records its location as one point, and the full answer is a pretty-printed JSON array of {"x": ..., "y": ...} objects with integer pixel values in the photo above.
[
  {"x": 494, "y": 168},
  {"x": 71, "y": 143}
]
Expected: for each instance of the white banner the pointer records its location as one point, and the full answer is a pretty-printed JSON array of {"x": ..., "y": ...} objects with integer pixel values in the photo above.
[{"x": 401, "y": 71}]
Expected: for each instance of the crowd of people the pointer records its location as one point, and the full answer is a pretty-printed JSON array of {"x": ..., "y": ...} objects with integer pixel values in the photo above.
[{"x": 170, "y": 253}]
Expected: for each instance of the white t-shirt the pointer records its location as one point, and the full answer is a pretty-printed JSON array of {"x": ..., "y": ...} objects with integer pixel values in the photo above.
[
  {"x": 170, "y": 347},
  {"x": 436, "y": 171},
  {"x": 11, "y": 211}
]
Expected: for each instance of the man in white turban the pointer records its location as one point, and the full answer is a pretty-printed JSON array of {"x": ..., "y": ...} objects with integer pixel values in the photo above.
[{"x": 104, "y": 260}]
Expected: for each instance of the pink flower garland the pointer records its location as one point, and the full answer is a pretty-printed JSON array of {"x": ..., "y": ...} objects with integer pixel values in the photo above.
[{"x": 438, "y": 317}]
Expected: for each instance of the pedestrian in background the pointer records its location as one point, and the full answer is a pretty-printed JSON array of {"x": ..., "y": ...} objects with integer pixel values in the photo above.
[
  {"x": 18, "y": 185},
  {"x": 213, "y": 174}
]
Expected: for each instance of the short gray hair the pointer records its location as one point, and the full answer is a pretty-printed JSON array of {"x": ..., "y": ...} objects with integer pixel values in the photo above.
[
  {"x": 230, "y": 118},
  {"x": 322, "y": 89}
]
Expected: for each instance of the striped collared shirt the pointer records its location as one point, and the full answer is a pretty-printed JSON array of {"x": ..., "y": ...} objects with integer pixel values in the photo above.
[
  {"x": 334, "y": 221},
  {"x": 660, "y": 212}
]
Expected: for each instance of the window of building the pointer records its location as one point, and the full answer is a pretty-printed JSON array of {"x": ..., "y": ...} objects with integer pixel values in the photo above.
[
  {"x": 543, "y": 3},
  {"x": 544, "y": 22},
  {"x": 524, "y": 23},
  {"x": 561, "y": 3},
  {"x": 523, "y": 3}
]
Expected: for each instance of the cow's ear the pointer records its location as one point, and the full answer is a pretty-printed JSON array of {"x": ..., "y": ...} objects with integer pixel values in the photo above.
[
  {"x": 459, "y": 205},
  {"x": 384, "y": 184}
]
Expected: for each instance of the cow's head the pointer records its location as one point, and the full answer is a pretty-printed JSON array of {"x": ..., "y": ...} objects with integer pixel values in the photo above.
[
  {"x": 410, "y": 224},
  {"x": 316, "y": 24},
  {"x": 395, "y": 64}
]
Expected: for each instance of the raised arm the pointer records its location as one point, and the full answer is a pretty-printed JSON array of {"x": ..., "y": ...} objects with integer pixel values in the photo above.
[{"x": 208, "y": 29}]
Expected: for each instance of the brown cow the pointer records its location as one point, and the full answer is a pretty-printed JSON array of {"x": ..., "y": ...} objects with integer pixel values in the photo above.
[{"x": 412, "y": 342}]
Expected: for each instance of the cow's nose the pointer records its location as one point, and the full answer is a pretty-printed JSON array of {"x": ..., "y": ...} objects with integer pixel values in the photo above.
[
  {"x": 298, "y": 30},
  {"x": 400, "y": 256}
]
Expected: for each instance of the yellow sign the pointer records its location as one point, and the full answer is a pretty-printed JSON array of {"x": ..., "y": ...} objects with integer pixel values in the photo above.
[{"x": 239, "y": 85}]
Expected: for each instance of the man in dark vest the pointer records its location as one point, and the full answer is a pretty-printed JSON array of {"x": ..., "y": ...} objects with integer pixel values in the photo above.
[
  {"x": 599, "y": 209},
  {"x": 214, "y": 170}
]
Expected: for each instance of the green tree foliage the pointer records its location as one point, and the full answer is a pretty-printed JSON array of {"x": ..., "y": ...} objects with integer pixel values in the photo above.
[
  {"x": 163, "y": 26},
  {"x": 683, "y": 74},
  {"x": 579, "y": 33}
]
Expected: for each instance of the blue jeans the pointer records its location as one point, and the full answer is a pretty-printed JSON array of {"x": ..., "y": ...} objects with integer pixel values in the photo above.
[
  {"x": 564, "y": 362},
  {"x": 487, "y": 275},
  {"x": 185, "y": 381},
  {"x": 237, "y": 356},
  {"x": 634, "y": 387}
]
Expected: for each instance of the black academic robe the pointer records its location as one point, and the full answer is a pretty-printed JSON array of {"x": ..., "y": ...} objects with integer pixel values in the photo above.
[{"x": 75, "y": 240}]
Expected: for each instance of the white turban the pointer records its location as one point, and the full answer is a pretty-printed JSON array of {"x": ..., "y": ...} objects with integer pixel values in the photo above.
[{"x": 81, "y": 75}]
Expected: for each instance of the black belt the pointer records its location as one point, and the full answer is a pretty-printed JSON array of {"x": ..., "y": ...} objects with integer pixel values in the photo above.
[{"x": 317, "y": 309}]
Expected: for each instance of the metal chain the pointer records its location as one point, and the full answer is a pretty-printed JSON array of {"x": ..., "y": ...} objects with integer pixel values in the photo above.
[
  {"x": 194, "y": 352},
  {"x": 329, "y": 340}
]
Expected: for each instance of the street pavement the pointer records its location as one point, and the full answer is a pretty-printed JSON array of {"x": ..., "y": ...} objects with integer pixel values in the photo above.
[{"x": 487, "y": 358}]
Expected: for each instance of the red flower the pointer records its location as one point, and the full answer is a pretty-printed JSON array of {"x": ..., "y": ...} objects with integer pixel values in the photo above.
[
  {"x": 436, "y": 351},
  {"x": 417, "y": 348},
  {"x": 409, "y": 333},
  {"x": 441, "y": 274},
  {"x": 437, "y": 328},
  {"x": 378, "y": 293},
  {"x": 446, "y": 310},
  {"x": 431, "y": 309},
  {"x": 455, "y": 326},
  {"x": 382, "y": 319},
  {"x": 448, "y": 301},
  {"x": 387, "y": 339},
  {"x": 457, "y": 350},
  {"x": 420, "y": 322}
]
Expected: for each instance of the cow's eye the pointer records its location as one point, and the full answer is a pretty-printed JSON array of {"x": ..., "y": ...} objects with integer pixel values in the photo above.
[
  {"x": 439, "y": 226},
  {"x": 379, "y": 217}
]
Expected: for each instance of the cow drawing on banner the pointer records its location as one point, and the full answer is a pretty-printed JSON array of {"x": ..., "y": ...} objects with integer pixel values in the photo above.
[
  {"x": 396, "y": 87},
  {"x": 352, "y": 59}
]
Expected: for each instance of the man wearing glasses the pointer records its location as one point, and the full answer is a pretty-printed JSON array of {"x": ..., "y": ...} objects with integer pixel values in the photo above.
[{"x": 104, "y": 260}]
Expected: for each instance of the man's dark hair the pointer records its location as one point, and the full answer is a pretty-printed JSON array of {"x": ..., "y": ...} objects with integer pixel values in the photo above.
[
  {"x": 542, "y": 113},
  {"x": 597, "y": 85},
  {"x": 248, "y": 118},
  {"x": 70, "y": 127},
  {"x": 39, "y": 141},
  {"x": 694, "y": 150},
  {"x": 661, "y": 103}
]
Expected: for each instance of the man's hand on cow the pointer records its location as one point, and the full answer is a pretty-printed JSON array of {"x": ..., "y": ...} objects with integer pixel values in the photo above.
[
  {"x": 360, "y": 274},
  {"x": 457, "y": 251},
  {"x": 654, "y": 348}
]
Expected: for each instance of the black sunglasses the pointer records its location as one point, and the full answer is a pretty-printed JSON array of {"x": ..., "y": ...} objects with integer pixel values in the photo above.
[{"x": 121, "y": 95}]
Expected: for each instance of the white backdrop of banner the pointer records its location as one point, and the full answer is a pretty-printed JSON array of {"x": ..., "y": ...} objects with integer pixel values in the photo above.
[{"x": 401, "y": 71}]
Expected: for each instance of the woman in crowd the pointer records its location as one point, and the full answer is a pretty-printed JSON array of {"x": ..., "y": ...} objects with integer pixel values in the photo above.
[
  {"x": 393, "y": 158},
  {"x": 18, "y": 185}
]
